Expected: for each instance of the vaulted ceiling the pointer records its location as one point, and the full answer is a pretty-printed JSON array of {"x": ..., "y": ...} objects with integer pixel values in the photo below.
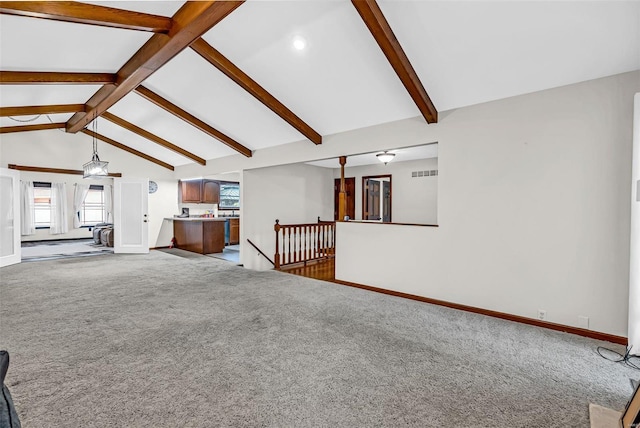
[{"x": 203, "y": 80}]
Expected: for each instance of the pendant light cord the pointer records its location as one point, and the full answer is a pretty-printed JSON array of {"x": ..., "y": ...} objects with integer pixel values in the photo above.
[
  {"x": 95, "y": 139},
  {"x": 26, "y": 120},
  {"x": 33, "y": 119}
]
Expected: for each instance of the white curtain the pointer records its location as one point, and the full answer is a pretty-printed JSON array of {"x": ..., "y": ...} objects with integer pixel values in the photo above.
[
  {"x": 27, "y": 211},
  {"x": 108, "y": 202},
  {"x": 59, "y": 210},
  {"x": 79, "y": 195}
]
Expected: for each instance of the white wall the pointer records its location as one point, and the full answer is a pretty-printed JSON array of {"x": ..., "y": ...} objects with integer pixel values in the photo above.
[
  {"x": 56, "y": 149},
  {"x": 162, "y": 204},
  {"x": 291, "y": 193},
  {"x": 533, "y": 210},
  {"x": 228, "y": 176},
  {"x": 634, "y": 271},
  {"x": 413, "y": 200}
]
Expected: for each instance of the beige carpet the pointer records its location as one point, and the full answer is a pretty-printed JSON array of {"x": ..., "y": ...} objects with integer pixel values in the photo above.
[{"x": 159, "y": 340}]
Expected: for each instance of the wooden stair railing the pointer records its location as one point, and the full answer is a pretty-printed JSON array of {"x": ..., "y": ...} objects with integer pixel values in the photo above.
[
  {"x": 303, "y": 243},
  {"x": 260, "y": 251}
]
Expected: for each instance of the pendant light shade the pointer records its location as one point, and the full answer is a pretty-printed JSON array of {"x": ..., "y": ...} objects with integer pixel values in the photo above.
[
  {"x": 385, "y": 157},
  {"x": 95, "y": 168}
]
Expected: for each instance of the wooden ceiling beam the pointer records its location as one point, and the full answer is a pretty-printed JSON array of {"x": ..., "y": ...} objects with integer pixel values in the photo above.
[
  {"x": 230, "y": 70},
  {"x": 25, "y": 128},
  {"x": 54, "y": 170},
  {"x": 82, "y": 13},
  {"x": 383, "y": 34},
  {"x": 191, "y": 21},
  {"x": 46, "y": 77},
  {"x": 167, "y": 105},
  {"x": 49, "y": 109},
  {"x": 152, "y": 137},
  {"x": 127, "y": 148}
]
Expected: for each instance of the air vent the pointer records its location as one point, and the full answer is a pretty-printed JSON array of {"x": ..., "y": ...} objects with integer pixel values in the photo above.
[{"x": 430, "y": 173}]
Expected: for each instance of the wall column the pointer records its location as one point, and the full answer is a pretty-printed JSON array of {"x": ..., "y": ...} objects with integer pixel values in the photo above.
[
  {"x": 634, "y": 253},
  {"x": 342, "y": 196}
]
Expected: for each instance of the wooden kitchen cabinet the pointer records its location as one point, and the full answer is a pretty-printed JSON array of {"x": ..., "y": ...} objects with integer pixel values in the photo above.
[
  {"x": 234, "y": 231},
  {"x": 191, "y": 191},
  {"x": 210, "y": 192},
  {"x": 203, "y": 236},
  {"x": 200, "y": 191}
]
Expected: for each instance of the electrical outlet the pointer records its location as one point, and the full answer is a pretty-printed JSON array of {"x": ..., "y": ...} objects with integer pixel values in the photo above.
[
  {"x": 583, "y": 322},
  {"x": 542, "y": 314}
]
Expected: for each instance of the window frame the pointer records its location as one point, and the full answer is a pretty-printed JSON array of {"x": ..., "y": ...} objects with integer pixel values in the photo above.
[
  {"x": 41, "y": 185},
  {"x": 84, "y": 224},
  {"x": 228, "y": 207}
]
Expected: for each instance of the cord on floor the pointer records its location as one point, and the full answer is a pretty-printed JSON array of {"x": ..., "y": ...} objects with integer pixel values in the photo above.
[{"x": 628, "y": 359}]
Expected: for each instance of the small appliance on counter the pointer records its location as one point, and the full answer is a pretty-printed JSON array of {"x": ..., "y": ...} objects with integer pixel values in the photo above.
[{"x": 185, "y": 213}]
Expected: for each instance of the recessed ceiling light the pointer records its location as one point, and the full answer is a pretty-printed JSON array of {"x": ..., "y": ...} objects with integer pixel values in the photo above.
[{"x": 299, "y": 43}]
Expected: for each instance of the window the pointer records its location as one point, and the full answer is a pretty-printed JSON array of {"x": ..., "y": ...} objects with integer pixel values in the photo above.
[
  {"x": 93, "y": 210},
  {"x": 42, "y": 204},
  {"x": 229, "y": 195}
]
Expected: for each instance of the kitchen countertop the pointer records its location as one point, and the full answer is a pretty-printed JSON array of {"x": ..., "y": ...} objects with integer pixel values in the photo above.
[{"x": 199, "y": 218}]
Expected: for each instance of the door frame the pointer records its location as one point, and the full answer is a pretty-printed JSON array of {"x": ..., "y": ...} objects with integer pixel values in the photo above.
[
  {"x": 364, "y": 194},
  {"x": 16, "y": 256}
]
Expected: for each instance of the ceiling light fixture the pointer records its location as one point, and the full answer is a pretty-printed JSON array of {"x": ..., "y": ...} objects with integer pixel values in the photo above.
[
  {"x": 385, "y": 157},
  {"x": 299, "y": 43},
  {"x": 95, "y": 168}
]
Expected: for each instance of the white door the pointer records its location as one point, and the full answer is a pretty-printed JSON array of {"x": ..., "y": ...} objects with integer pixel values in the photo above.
[
  {"x": 9, "y": 217},
  {"x": 130, "y": 215}
]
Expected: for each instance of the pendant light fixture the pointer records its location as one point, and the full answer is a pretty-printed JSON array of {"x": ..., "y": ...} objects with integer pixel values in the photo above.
[
  {"x": 385, "y": 157},
  {"x": 95, "y": 168}
]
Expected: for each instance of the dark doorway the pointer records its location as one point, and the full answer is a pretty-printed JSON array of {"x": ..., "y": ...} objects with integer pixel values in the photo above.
[
  {"x": 372, "y": 205},
  {"x": 376, "y": 198},
  {"x": 386, "y": 201},
  {"x": 350, "y": 188}
]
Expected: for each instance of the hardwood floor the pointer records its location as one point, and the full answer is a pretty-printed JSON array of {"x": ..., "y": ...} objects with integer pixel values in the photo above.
[{"x": 324, "y": 270}]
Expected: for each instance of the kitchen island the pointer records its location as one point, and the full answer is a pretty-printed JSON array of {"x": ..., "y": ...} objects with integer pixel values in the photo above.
[{"x": 199, "y": 234}]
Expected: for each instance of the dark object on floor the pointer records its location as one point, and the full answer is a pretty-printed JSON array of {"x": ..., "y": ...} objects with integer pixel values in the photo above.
[
  {"x": 97, "y": 229},
  {"x": 631, "y": 416},
  {"x": 8, "y": 414},
  {"x": 106, "y": 237}
]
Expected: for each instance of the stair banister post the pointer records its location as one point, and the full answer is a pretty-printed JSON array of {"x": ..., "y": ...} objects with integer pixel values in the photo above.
[
  {"x": 276, "y": 227},
  {"x": 342, "y": 196}
]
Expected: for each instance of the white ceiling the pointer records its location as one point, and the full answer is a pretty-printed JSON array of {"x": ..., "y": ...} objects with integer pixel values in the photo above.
[
  {"x": 465, "y": 52},
  {"x": 476, "y": 51}
]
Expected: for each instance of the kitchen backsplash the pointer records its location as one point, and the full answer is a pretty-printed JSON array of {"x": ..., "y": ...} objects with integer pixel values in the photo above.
[{"x": 201, "y": 209}]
